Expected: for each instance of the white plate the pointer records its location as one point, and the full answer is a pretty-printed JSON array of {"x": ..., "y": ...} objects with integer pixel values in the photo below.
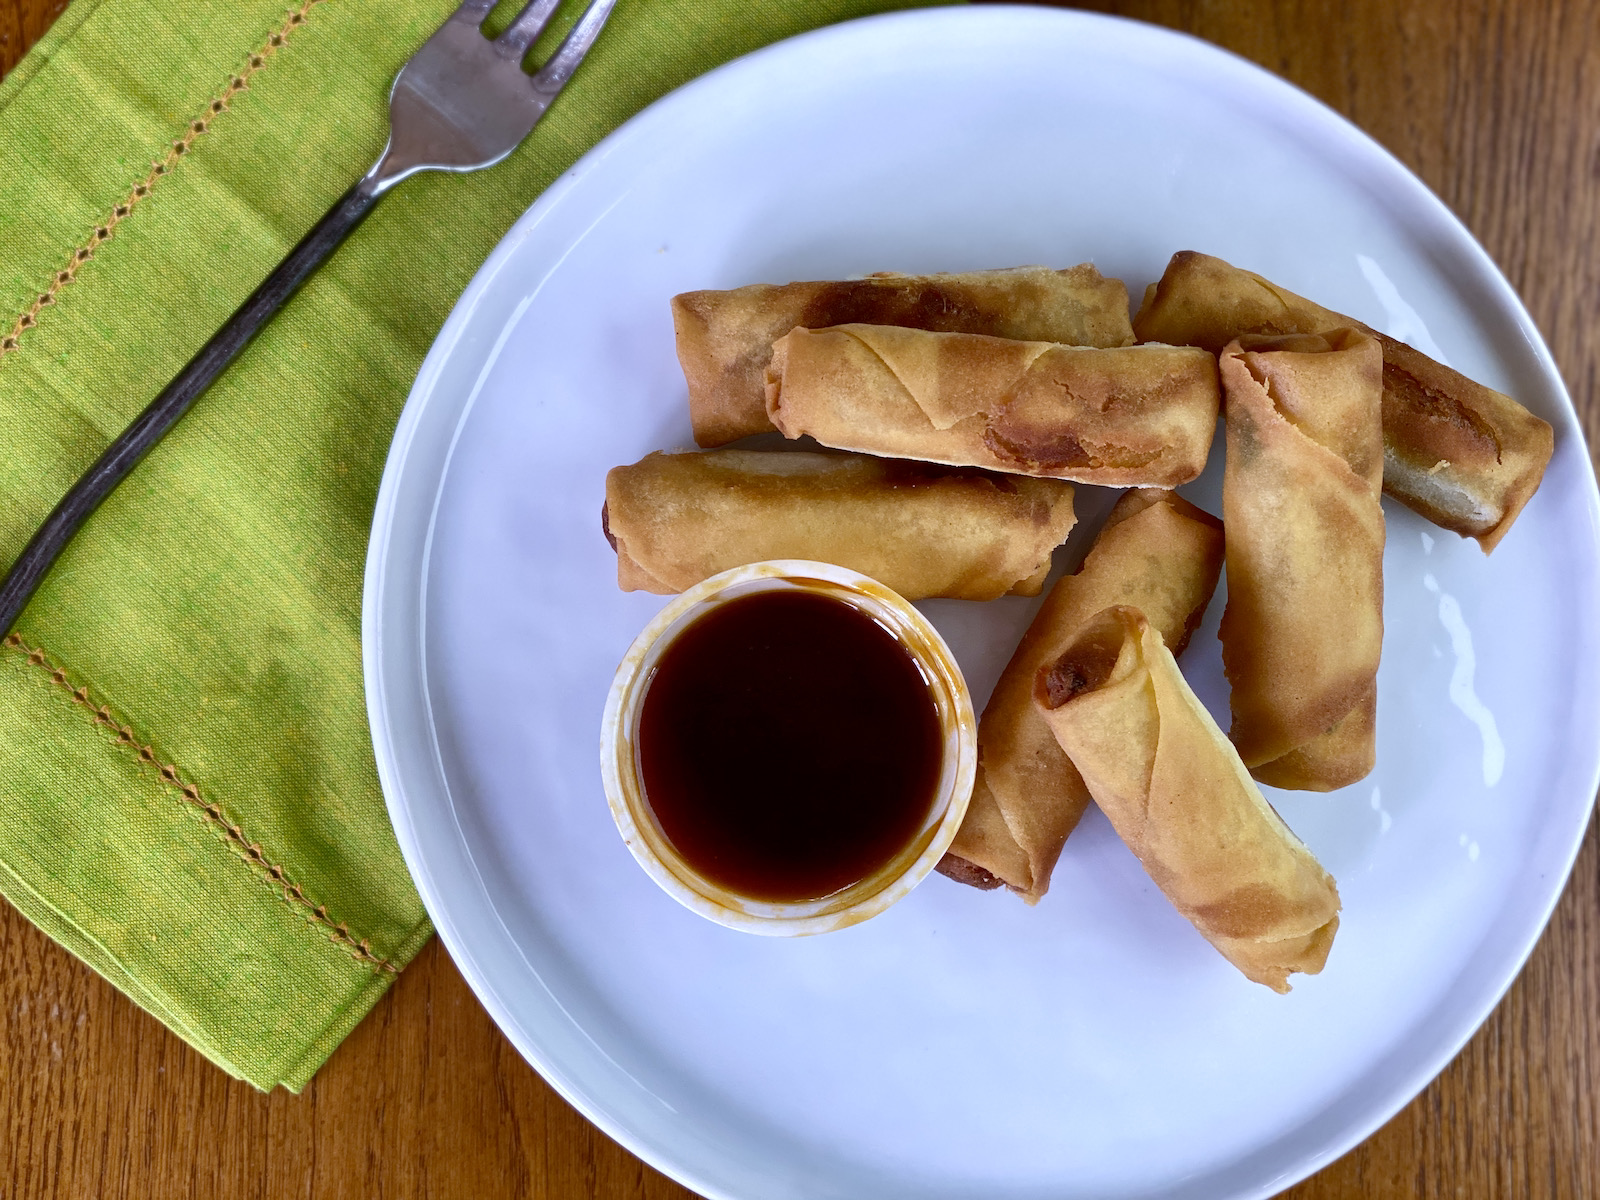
[{"x": 961, "y": 1045}]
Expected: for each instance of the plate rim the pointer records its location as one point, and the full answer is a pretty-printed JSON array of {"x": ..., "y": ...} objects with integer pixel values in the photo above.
[{"x": 376, "y": 597}]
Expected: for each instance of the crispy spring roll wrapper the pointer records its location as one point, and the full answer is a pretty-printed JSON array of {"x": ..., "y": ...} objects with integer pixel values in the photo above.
[
  {"x": 1175, "y": 791},
  {"x": 1464, "y": 456},
  {"x": 1134, "y": 416},
  {"x": 1156, "y": 552},
  {"x": 675, "y": 519},
  {"x": 725, "y": 338},
  {"x": 1303, "y": 628}
]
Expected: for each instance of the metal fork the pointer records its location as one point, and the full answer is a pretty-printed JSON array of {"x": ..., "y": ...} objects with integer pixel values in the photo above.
[{"x": 460, "y": 103}]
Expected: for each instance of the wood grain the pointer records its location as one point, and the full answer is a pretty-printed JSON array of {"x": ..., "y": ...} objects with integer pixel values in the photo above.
[
  {"x": 22, "y": 23},
  {"x": 1496, "y": 105}
]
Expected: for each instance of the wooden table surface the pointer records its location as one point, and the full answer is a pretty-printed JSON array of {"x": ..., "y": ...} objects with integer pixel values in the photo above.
[{"x": 1496, "y": 105}]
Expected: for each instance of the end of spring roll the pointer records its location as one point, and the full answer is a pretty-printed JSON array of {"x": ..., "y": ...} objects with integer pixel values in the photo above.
[
  {"x": 1135, "y": 416},
  {"x": 725, "y": 337},
  {"x": 1176, "y": 792},
  {"x": 1465, "y": 456},
  {"x": 1303, "y": 629},
  {"x": 1157, "y": 552},
  {"x": 675, "y": 519}
]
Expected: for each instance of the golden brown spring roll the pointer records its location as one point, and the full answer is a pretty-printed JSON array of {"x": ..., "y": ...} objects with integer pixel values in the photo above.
[
  {"x": 1156, "y": 552},
  {"x": 675, "y": 519},
  {"x": 1175, "y": 791},
  {"x": 1136, "y": 416},
  {"x": 725, "y": 338},
  {"x": 1303, "y": 628},
  {"x": 1464, "y": 456}
]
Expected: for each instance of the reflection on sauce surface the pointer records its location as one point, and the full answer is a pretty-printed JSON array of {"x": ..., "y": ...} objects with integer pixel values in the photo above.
[{"x": 788, "y": 745}]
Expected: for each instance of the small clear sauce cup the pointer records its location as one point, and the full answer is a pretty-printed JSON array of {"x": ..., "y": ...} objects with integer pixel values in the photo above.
[{"x": 870, "y": 896}]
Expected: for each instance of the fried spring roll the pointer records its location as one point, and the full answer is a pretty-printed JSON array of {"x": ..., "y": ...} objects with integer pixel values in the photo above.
[
  {"x": 1303, "y": 628},
  {"x": 725, "y": 338},
  {"x": 1130, "y": 417},
  {"x": 675, "y": 519},
  {"x": 1175, "y": 791},
  {"x": 1465, "y": 456},
  {"x": 1156, "y": 552}
]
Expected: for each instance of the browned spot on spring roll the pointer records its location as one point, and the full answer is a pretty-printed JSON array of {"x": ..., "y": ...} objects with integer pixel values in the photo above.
[
  {"x": 675, "y": 519},
  {"x": 1157, "y": 552},
  {"x": 725, "y": 337},
  {"x": 1463, "y": 455},
  {"x": 1130, "y": 417},
  {"x": 1303, "y": 629},
  {"x": 1175, "y": 791}
]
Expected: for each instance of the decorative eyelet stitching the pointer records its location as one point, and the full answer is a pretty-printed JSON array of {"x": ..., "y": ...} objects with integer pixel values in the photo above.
[
  {"x": 195, "y": 129},
  {"x": 172, "y": 779}
]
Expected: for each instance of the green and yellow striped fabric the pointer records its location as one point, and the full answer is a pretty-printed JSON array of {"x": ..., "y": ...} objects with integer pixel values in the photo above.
[{"x": 189, "y": 800}]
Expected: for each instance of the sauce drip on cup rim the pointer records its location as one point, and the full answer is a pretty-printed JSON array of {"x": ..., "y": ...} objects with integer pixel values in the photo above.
[{"x": 799, "y": 817}]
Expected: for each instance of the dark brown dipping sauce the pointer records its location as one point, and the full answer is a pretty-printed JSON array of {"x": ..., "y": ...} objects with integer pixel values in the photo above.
[{"x": 788, "y": 745}]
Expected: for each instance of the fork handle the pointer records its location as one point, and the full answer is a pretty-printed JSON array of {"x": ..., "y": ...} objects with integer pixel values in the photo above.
[{"x": 162, "y": 413}]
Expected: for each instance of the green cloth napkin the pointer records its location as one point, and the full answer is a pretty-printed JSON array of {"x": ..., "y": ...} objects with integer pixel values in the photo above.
[{"x": 189, "y": 801}]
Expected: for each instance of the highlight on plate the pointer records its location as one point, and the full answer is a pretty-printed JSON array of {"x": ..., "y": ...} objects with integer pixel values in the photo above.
[{"x": 945, "y": 421}]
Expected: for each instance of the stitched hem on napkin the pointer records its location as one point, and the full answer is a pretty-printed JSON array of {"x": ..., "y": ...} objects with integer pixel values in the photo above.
[
  {"x": 215, "y": 597},
  {"x": 42, "y": 51},
  {"x": 147, "y": 890},
  {"x": 293, "y": 1074},
  {"x": 259, "y": 861}
]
